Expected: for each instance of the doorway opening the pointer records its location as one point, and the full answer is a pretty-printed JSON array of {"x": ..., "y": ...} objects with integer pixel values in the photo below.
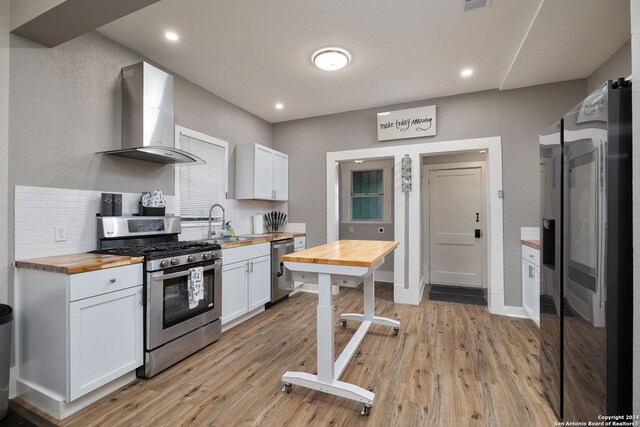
[
  {"x": 408, "y": 272},
  {"x": 454, "y": 220}
]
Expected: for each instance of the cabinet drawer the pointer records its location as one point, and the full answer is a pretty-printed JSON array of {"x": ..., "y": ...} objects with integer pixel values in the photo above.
[
  {"x": 242, "y": 253},
  {"x": 299, "y": 243},
  {"x": 85, "y": 285},
  {"x": 531, "y": 255}
]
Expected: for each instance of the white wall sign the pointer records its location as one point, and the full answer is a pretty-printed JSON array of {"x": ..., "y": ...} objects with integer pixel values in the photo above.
[{"x": 411, "y": 123}]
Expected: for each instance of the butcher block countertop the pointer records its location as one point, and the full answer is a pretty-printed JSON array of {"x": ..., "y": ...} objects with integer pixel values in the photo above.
[
  {"x": 77, "y": 263},
  {"x": 535, "y": 244},
  {"x": 357, "y": 253},
  {"x": 263, "y": 239}
]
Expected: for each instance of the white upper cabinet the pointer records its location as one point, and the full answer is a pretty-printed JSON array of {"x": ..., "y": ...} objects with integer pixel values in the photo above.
[
  {"x": 261, "y": 173},
  {"x": 280, "y": 176}
]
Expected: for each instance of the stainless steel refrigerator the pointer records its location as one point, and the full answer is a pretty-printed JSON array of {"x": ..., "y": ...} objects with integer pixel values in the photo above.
[{"x": 589, "y": 284}]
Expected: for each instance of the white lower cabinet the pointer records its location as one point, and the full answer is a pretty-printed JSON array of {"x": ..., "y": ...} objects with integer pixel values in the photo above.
[
  {"x": 299, "y": 244},
  {"x": 531, "y": 283},
  {"x": 105, "y": 339},
  {"x": 77, "y": 332},
  {"x": 246, "y": 280}
]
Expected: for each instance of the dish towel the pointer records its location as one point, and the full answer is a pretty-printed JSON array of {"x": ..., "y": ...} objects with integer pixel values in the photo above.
[{"x": 196, "y": 286}]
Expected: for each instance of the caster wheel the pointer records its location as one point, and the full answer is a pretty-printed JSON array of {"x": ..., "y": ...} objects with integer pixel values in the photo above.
[
  {"x": 286, "y": 388},
  {"x": 343, "y": 323},
  {"x": 396, "y": 330},
  {"x": 366, "y": 410}
]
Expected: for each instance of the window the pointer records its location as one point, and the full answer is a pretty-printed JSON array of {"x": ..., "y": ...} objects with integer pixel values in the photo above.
[
  {"x": 367, "y": 195},
  {"x": 200, "y": 186}
]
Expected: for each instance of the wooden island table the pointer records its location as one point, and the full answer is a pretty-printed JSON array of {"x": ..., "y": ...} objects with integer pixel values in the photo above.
[{"x": 343, "y": 263}]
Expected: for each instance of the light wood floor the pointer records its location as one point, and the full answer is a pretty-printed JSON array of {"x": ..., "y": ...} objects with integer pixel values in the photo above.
[{"x": 451, "y": 365}]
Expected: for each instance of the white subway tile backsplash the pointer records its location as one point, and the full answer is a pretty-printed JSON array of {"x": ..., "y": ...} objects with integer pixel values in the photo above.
[
  {"x": 530, "y": 233},
  {"x": 38, "y": 210}
]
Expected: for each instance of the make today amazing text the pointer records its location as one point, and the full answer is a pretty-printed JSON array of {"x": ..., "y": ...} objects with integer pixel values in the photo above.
[{"x": 404, "y": 124}]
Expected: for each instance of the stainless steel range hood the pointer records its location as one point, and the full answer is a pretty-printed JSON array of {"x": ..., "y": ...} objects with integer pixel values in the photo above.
[{"x": 147, "y": 117}]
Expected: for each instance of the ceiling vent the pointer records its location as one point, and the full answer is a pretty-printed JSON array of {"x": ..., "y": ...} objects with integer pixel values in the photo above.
[{"x": 468, "y": 5}]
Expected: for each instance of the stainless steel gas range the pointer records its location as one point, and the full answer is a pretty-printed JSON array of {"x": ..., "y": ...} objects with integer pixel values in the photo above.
[{"x": 178, "y": 320}]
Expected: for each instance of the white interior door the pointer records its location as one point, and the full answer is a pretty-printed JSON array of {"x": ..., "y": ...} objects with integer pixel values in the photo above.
[{"x": 455, "y": 206}]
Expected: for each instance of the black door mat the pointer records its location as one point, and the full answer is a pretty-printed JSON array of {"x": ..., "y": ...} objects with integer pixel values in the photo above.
[
  {"x": 20, "y": 416},
  {"x": 457, "y": 294}
]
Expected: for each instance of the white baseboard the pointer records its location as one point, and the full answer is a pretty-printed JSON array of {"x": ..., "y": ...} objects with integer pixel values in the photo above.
[
  {"x": 513, "y": 311},
  {"x": 55, "y": 405},
  {"x": 235, "y": 322},
  {"x": 406, "y": 296}
]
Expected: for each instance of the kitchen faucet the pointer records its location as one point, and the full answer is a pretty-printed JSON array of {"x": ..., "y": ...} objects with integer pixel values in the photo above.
[{"x": 211, "y": 232}]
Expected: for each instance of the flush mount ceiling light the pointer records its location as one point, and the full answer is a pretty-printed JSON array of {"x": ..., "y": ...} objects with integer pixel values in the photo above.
[
  {"x": 170, "y": 35},
  {"x": 279, "y": 106},
  {"x": 467, "y": 72},
  {"x": 330, "y": 58},
  {"x": 358, "y": 161}
]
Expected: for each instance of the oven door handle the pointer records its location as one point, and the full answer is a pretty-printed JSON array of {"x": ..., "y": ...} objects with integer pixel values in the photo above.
[{"x": 157, "y": 276}]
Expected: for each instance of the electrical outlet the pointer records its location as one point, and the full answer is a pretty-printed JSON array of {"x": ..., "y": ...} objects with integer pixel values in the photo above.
[
  {"x": 59, "y": 233},
  {"x": 380, "y": 230}
]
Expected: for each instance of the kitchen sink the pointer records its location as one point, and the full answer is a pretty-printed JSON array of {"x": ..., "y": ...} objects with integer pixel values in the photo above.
[{"x": 225, "y": 239}]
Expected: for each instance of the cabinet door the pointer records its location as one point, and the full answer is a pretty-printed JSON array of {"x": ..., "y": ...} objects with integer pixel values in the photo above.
[
  {"x": 105, "y": 339},
  {"x": 529, "y": 289},
  {"x": 263, "y": 173},
  {"x": 234, "y": 290},
  {"x": 280, "y": 176},
  {"x": 259, "y": 281}
]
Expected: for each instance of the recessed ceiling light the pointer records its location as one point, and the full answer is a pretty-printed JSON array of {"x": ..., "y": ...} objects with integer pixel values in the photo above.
[
  {"x": 170, "y": 35},
  {"x": 467, "y": 72},
  {"x": 358, "y": 161},
  {"x": 386, "y": 113},
  {"x": 330, "y": 58},
  {"x": 279, "y": 106},
  {"x": 483, "y": 151}
]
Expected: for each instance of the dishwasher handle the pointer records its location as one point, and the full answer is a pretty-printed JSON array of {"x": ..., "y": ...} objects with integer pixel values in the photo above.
[{"x": 281, "y": 272}]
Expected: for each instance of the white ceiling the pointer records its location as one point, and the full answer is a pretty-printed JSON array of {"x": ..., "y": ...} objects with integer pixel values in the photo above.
[{"x": 257, "y": 53}]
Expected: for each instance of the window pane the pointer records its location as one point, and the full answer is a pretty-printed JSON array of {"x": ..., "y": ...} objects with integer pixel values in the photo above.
[
  {"x": 201, "y": 185},
  {"x": 366, "y": 208},
  {"x": 366, "y": 182}
]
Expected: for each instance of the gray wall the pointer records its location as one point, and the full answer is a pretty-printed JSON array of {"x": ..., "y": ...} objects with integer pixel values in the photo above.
[
  {"x": 65, "y": 108},
  {"x": 635, "y": 48},
  {"x": 4, "y": 147},
  {"x": 518, "y": 116},
  {"x": 368, "y": 230},
  {"x": 617, "y": 65}
]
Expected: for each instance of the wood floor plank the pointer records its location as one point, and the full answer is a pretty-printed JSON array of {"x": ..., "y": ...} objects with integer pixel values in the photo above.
[{"x": 451, "y": 365}]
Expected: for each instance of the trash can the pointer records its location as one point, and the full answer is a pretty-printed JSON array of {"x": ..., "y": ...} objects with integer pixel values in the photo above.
[{"x": 6, "y": 316}]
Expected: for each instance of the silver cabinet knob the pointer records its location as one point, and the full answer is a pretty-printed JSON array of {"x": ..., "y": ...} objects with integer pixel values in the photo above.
[{"x": 112, "y": 280}]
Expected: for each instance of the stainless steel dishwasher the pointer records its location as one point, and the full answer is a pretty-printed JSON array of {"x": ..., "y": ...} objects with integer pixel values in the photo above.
[{"x": 281, "y": 283}]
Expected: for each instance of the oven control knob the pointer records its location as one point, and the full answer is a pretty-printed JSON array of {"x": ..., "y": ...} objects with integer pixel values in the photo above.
[
  {"x": 191, "y": 258},
  {"x": 174, "y": 261},
  {"x": 205, "y": 255},
  {"x": 214, "y": 255},
  {"x": 164, "y": 263}
]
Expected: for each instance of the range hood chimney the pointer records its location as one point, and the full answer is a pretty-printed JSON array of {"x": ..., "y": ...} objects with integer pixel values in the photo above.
[{"x": 147, "y": 117}]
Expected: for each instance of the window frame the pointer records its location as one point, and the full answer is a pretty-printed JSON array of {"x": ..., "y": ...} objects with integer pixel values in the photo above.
[
  {"x": 353, "y": 195},
  {"x": 344, "y": 185},
  {"x": 183, "y": 131}
]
